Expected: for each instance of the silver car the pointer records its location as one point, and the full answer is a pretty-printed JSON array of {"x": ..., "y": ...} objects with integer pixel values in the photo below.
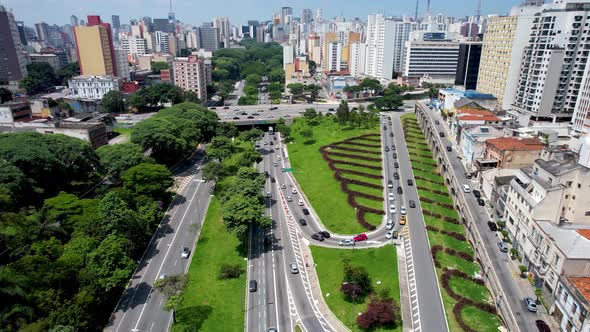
[
  {"x": 293, "y": 267},
  {"x": 530, "y": 304},
  {"x": 347, "y": 243}
]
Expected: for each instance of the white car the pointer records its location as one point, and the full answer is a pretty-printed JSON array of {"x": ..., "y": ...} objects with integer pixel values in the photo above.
[
  {"x": 389, "y": 234},
  {"x": 403, "y": 210},
  {"x": 347, "y": 242},
  {"x": 466, "y": 188},
  {"x": 300, "y": 202},
  {"x": 392, "y": 209},
  {"x": 389, "y": 224},
  {"x": 391, "y": 197},
  {"x": 283, "y": 186},
  {"x": 279, "y": 158},
  {"x": 293, "y": 191}
]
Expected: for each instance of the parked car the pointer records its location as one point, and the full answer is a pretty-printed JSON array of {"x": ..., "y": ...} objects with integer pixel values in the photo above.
[
  {"x": 162, "y": 276},
  {"x": 389, "y": 235},
  {"x": 300, "y": 202},
  {"x": 275, "y": 164},
  {"x": 305, "y": 212},
  {"x": 253, "y": 286},
  {"x": 530, "y": 304},
  {"x": 325, "y": 234},
  {"x": 360, "y": 237},
  {"x": 273, "y": 108},
  {"x": 392, "y": 209},
  {"x": 317, "y": 237},
  {"x": 185, "y": 252},
  {"x": 492, "y": 225},
  {"x": 347, "y": 243},
  {"x": 226, "y": 107},
  {"x": 384, "y": 127},
  {"x": 476, "y": 193},
  {"x": 250, "y": 117},
  {"x": 412, "y": 204},
  {"x": 400, "y": 190},
  {"x": 396, "y": 176},
  {"x": 481, "y": 202},
  {"x": 436, "y": 122},
  {"x": 293, "y": 267},
  {"x": 449, "y": 148},
  {"x": 302, "y": 222},
  {"x": 268, "y": 194},
  {"x": 390, "y": 134},
  {"x": 395, "y": 165},
  {"x": 389, "y": 224},
  {"x": 410, "y": 182},
  {"x": 503, "y": 247},
  {"x": 391, "y": 197},
  {"x": 542, "y": 326},
  {"x": 466, "y": 188},
  {"x": 441, "y": 134},
  {"x": 468, "y": 175},
  {"x": 236, "y": 118},
  {"x": 403, "y": 210},
  {"x": 389, "y": 184}
]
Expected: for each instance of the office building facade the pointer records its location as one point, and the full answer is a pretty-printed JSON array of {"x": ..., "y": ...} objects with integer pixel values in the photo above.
[
  {"x": 380, "y": 33},
  {"x": 94, "y": 47},
  {"x": 468, "y": 64},
  {"x": 191, "y": 74},
  {"x": 431, "y": 55},
  {"x": 12, "y": 58}
]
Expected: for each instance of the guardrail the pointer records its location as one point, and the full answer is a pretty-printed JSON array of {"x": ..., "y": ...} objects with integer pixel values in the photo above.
[{"x": 489, "y": 274}]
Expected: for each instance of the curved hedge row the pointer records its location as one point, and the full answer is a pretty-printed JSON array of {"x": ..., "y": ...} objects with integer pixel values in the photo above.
[
  {"x": 431, "y": 201},
  {"x": 343, "y": 148},
  {"x": 354, "y": 156}
]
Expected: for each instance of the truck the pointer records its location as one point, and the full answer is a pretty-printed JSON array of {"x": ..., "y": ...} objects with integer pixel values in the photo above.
[{"x": 271, "y": 130}]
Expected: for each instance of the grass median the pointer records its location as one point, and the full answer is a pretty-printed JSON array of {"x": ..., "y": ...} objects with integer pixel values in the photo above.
[
  {"x": 381, "y": 263},
  {"x": 211, "y": 304},
  {"x": 316, "y": 178}
]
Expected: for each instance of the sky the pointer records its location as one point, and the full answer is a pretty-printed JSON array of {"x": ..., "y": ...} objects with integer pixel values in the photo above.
[{"x": 238, "y": 11}]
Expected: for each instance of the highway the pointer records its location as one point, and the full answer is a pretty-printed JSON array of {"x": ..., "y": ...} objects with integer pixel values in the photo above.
[
  {"x": 140, "y": 307},
  {"x": 495, "y": 267}
]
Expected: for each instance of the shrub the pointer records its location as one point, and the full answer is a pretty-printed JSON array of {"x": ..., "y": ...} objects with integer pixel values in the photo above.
[
  {"x": 230, "y": 271},
  {"x": 357, "y": 283},
  {"x": 380, "y": 313}
]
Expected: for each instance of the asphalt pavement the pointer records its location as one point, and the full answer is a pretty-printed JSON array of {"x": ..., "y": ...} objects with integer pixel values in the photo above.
[{"x": 140, "y": 307}]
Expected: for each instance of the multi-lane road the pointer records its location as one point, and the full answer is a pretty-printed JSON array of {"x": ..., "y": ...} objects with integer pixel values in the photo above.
[{"x": 140, "y": 307}]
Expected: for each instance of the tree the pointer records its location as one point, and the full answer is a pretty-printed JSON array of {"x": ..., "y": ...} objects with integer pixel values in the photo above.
[
  {"x": 343, "y": 112},
  {"x": 295, "y": 88},
  {"x": 312, "y": 67},
  {"x": 5, "y": 95},
  {"x": 40, "y": 78},
  {"x": 13, "y": 180},
  {"x": 109, "y": 266},
  {"x": 213, "y": 171},
  {"x": 172, "y": 304},
  {"x": 239, "y": 211},
  {"x": 251, "y": 135},
  {"x": 253, "y": 79},
  {"x": 220, "y": 148},
  {"x": 310, "y": 113},
  {"x": 114, "y": 102},
  {"x": 116, "y": 159},
  {"x": 251, "y": 174},
  {"x": 313, "y": 90},
  {"x": 191, "y": 97},
  {"x": 68, "y": 71},
  {"x": 171, "y": 285},
  {"x": 158, "y": 66},
  {"x": 151, "y": 180},
  {"x": 227, "y": 129},
  {"x": 78, "y": 157},
  {"x": 380, "y": 313},
  {"x": 249, "y": 157},
  {"x": 277, "y": 75},
  {"x": 358, "y": 278},
  {"x": 307, "y": 133},
  {"x": 371, "y": 84},
  {"x": 390, "y": 100},
  {"x": 115, "y": 216}
]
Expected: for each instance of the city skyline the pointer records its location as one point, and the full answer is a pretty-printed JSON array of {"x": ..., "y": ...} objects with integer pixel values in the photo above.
[{"x": 238, "y": 11}]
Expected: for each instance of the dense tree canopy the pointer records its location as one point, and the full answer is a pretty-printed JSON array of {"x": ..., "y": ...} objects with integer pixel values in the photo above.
[
  {"x": 114, "y": 102},
  {"x": 116, "y": 159},
  {"x": 156, "y": 95},
  {"x": 40, "y": 78},
  {"x": 147, "y": 179},
  {"x": 158, "y": 66}
]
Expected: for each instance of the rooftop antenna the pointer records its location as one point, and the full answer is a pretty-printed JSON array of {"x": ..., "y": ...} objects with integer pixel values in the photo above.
[
  {"x": 478, "y": 10},
  {"x": 427, "y": 7},
  {"x": 416, "y": 13},
  {"x": 170, "y": 6}
]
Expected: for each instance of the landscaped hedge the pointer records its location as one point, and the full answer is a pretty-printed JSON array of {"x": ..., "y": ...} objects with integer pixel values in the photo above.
[
  {"x": 349, "y": 171},
  {"x": 428, "y": 200},
  {"x": 455, "y": 235},
  {"x": 344, "y": 148},
  {"x": 431, "y": 190},
  {"x": 438, "y": 248},
  {"x": 347, "y": 181},
  {"x": 412, "y": 153},
  {"x": 354, "y": 156}
]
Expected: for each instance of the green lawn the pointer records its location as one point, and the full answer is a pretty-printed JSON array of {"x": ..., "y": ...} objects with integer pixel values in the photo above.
[
  {"x": 381, "y": 264},
  {"x": 211, "y": 304},
  {"x": 359, "y": 169},
  {"x": 470, "y": 290},
  {"x": 374, "y": 219},
  {"x": 366, "y": 190},
  {"x": 362, "y": 178},
  {"x": 444, "y": 199},
  {"x": 430, "y": 185},
  {"x": 370, "y": 203},
  {"x": 432, "y": 176},
  {"x": 316, "y": 178},
  {"x": 444, "y": 225},
  {"x": 358, "y": 161},
  {"x": 480, "y": 320},
  {"x": 438, "y": 209},
  {"x": 123, "y": 131},
  {"x": 449, "y": 242}
]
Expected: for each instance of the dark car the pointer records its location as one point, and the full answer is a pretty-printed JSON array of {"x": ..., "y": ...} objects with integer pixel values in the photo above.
[
  {"x": 449, "y": 148},
  {"x": 273, "y": 108},
  {"x": 396, "y": 176},
  {"x": 253, "y": 286},
  {"x": 391, "y": 134},
  {"x": 410, "y": 182},
  {"x": 400, "y": 190},
  {"x": 481, "y": 202},
  {"x": 441, "y": 134},
  {"x": 305, "y": 212},
  {"x": 542, "y": 326},
  {"x": 412, "y": 204},
  {"x": 212, "y": 108},
  {"x": 393, "y": 147},
  {"x": 386, "y": 149},
  {"x": 244, "y": 113},
  {"x": 266, "y": 174},
  {"x": 492, "y": 225},
  {"x": 317, "y": 237},
  {"x": 302, "y": 222},
  {"x": 250, "y": 117},
  {"x": 395, "y": 165},
  {"x": 273, "y": 180},
  {"x": 384, "y": 127},
  {"x": 476, "y": 193},
  {"x": 436, "y": 122},
  {"x": 325, "y": 234},
  {"x": 394, "y": 155},
  {"x": 236, "y": 117},
  {"x": 255, "y": 114},
  {"x": 389, "y": 184}
]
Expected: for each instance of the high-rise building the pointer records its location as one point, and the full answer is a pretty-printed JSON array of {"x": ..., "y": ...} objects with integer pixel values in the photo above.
[
  {"x": 333, "y": 56},
  {"x": 431, "y": 55},
  {"x": 208, "y": 37},
  {"x": 116, "y": 22},
  {"x": 134, "y": 46},
  {"x": 162, "y": 42},
  {"x": 306, "y": 15},
  {"x": 401, "y": 34},
  {"x": 42, "y": 31},
  {"x": 173, "y": 44},
  {"x": 163, "y": 24},
  {"x": 380, "y": 46},
  {"x": 468, "y": 64},
  {"x": 94, "y": 46},
  {"x": 358, "y": 53},
  {"x": 191, "y": 75},
  {"x": 501, "y": 54},
  {"x": 122, "y": 62},
  {"x": 20, "y": 26},
  {"x": 12, "y": 58},
  {"x": 285, "y": 12},
  {"x": 554, "y": 61},
  {"x": 74, "y": 20},
  {"x": 223, "y": 27}
]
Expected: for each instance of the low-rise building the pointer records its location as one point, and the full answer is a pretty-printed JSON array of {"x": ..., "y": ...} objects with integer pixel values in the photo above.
[
  {"x": 513, "y": 152},
  {"x": 93, "y": 87},
  {"x": 450, "y": 96},
  {"x": 572, "y": 303},
  {"x": 472, "y": 142},
  {"x": 52, "y": 59},
  {"x": 15, "y": 111},
  {"x": 93, "y": 132}
]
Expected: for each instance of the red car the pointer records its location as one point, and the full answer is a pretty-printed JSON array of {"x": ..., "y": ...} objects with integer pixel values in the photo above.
[{"x": 360, "y": 237}]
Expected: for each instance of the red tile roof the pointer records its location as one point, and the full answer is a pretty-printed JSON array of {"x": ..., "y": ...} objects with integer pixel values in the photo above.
[
  {"x": 516, "y": 144},
  {"x": 583, "y": 286},
  {"x": 479, "y": 118},
  {"x": 585, "y": 233}
]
